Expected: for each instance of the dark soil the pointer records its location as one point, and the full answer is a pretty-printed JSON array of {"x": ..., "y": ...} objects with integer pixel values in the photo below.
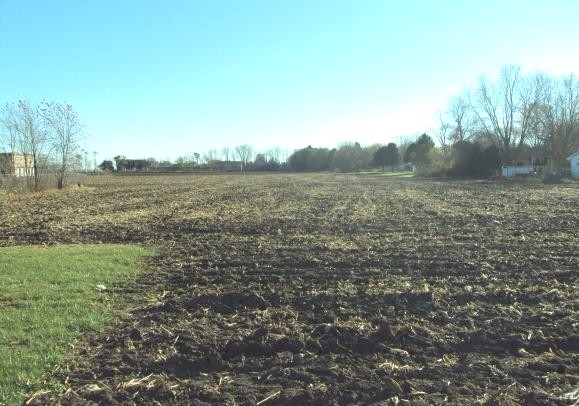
[{"x": 323, "y": 289}]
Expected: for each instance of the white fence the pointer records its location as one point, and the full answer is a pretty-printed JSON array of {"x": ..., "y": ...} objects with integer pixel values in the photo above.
[{"x": 507, "y": 171}]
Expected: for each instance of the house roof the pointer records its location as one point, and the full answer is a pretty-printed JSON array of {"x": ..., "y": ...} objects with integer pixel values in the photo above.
[{"x": 570, "y": 157}]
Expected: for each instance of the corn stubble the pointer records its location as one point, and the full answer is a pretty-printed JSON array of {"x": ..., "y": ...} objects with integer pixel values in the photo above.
[{"x": 324, "y": 289}]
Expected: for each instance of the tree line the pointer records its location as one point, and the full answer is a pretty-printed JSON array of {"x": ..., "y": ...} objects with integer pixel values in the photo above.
[
  {"x": 494, "y": 124},
  {"x": 483, "y": 128},
  {"x": 47, "y": 136},
  {"x": 513, "y": 114},
  {"x": 347, "y": 157},
  {"x": 241, "y": 157},
  {"x": 491, "y": 125}
]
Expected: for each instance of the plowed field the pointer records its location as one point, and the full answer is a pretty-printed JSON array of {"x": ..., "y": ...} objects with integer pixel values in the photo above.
[{"x": 324, "y": 289}]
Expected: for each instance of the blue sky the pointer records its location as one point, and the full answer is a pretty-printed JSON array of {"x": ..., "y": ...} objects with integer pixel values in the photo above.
[{"x": 168, "y": 78}]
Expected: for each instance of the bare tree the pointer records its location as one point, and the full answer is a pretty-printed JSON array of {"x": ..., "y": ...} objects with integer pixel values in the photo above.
[
  {"x": 8, "y": 129},
  {"x": 273, "y": 154},
  {"x": 542, "y": 116},
  {"x": 25, "y": 133},
  {"x": 504, "y": 111},
  {"x": 461, "y": 114},
  {"x": 566, "y": 135},
  {"x": 403, "y": 143},
  {"x": 443, "y": 132},
  {"x": 211, "y": 156},
  {"x": 555, "y": 120},
  {"x": 284, "y": 155},
  {"x": 225, "y": 151},
  {"x": 244, "y": 153},
  {"x": 443, "y": 137},
  {"x": 65, "y": 132}
]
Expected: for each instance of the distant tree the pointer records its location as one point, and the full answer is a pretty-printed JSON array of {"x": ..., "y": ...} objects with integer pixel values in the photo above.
[
  {"x": 9, "y": 131},
  {"x": 403, "y": 142},
  {"x": 422, "y": 160},
  {"x": 137, "y": 164},
  {"x": 425, "y": 142},
  {"x": 260, "y": 159},
  {"x": 263, "y": 163},
  {"x": 346, "y": 157},
  {"x": 152, "y": 163},
  {"x": 392, "y": 155},
  {"x": 284, "y": 155},
  {"x": 516, "y": 112},
  {"x": 472, "y": 160},
  {"x": 272, "y": 165},
  {"x": 78, "y": 162},
  {"x": 106, "y": 165},
  {"x": 65, "y": 132},
  {"x": 226, "y": 151},
  {"x": 439, "y": 164},
  {"x": 409, "y": 152},
  {"x": 165, "y": 165},
  {"x": 463, "y": 118},
  {"x": 443, "y": 136},
  {"x": 505, "y": 110},
  {"x": 380, "y": 158},
  {"x": 555, "y": 121},
  {"x": 210, "y": 156},
  {"x": 462, "y": 157},
  {"x": 274, "y": 154},
  {"x": 309, "y": 159},
  {"x": 244, "y": 153},
  {"x": 387, "y": 156},
  {"x": 491, "y": 161},
  {"x": 181, "y": 163},
  {"x": 121, "y": 163},
  {"x": 465, "y": 159},
  {"x": 351, "y": 157},
  {"x": 298, "y": 161},
  {"x": 25, "y": 132},
  {"x": 417, "y": 152}
]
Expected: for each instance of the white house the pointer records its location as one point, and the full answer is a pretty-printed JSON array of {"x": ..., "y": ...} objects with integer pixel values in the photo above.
[{"x": 574, "y": 164}]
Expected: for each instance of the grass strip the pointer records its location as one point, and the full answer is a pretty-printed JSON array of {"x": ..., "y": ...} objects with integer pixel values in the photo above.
[{"x": 49, "y": 297}]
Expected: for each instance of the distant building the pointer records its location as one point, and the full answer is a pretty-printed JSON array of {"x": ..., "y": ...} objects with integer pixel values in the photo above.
[
  {"x": 531, "y": 161},
  {"x": 15, "y": 164},
  {"x": 227, "y": 166},
  {"x": 574, "y": 164},
  {"x": 538, "y": 158}
]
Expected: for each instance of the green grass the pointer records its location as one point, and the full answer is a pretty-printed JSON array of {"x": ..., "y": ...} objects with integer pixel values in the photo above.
[{"x": 49, "y": 298}]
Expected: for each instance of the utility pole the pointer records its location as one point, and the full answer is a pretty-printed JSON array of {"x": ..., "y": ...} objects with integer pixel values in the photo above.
[
  {"x": 94, "y": 154},
  {"x": 85, "y": 160}
]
